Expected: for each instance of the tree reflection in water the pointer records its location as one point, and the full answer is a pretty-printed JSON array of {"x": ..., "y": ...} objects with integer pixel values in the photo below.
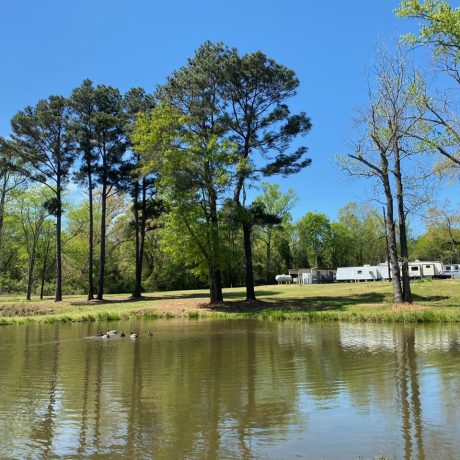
[
  {"x": 234, "y": 389},
  {"x": 409, "y": 393}
]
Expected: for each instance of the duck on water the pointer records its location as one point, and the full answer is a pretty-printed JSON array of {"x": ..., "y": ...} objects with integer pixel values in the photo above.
[{"x": 132, "y": 335}]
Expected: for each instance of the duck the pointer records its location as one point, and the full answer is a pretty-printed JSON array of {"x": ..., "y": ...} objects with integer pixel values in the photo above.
[
  {"x": 112, "y": 332},
  {"x": 149, "y": 333},
  {"x": 100, "y": 333},
  {"x": 133, "y": 335},
  {"x": 122, "y": 334},
  {"x": 105, "y": 336}
]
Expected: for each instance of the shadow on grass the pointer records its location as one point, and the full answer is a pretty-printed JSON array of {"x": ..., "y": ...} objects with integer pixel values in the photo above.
[
  {"x": 429, "y": 298},
  {"x": 198, "y": 295},
  {"x": 235, "y": 303},
  {"x": 296, "y": 304}
]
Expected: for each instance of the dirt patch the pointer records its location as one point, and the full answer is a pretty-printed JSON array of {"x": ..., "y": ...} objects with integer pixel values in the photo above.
[
  {"x": 176, "y": 307},
  {"x": 410, "y": 307},
  {"x": 26, "y": 310}
]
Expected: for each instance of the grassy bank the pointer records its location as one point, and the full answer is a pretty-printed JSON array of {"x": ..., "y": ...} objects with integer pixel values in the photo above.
[{"x": 437, "y": 300}]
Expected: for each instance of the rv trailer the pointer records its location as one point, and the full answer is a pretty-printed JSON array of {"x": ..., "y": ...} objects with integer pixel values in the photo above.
[
  {"x": 364, "y": 273},
  {"x": 417, "y": 269},
  {"x": 313, "y": 275},
  {"x": 451, "y": 271}
]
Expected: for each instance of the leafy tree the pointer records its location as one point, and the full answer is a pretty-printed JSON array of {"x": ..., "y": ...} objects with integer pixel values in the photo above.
[
  {"x": 257, "y": 90},
  {"x": 110, "y": 141},
  {"x": 31, "y": 218},
  {"x": 439, "y": 31},
  {"x": 41, "y": 142},
  {"x": 366, "y": 234},
  {"x": 195, "y": 94},
  {"x": 141, "y": 186},
  {"x": 339, "y": 245},
  {"x": 284, "y": 250},
  {"x": 45, "y": 246},
  {"x": 9, "y": 180},
  {"x": 83, "y": 130},
  {"x": 194, "y": 175},
  {"x": 314, "y": 230},
  {"x": 276, "y": 204},
  {"x": 441, "y": 241}
]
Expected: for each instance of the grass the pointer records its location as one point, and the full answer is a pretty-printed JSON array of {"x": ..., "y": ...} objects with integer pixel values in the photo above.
[{"x": 434, "y": 301}]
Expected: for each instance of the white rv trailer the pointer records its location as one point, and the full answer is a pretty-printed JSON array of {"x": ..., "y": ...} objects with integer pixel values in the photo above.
[
  {"x": 451, "y": 271},
  {"x": 312, "y": 275},
  {"x": 424, "y": 269},
  {"x": 364, "y": 273},
  {"x": 417, "y": 269}
]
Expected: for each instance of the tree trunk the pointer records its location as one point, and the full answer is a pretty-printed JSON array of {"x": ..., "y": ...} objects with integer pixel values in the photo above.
[
  {"x": 2, "y": 212},
  {"x": 268, "y": 266},
  {"x": 215, "y": 262},
  {"x": 58, "y": 296},
  {"x": 45, "y": 261},
  {"x": 100, "y": 289},
  {"x": 406, "y": 290},
  {"x": 142, "y": 230},
  {"x": 91, "y": 236},
  {"x": 250, "y": 293},
  {"x": 138, "y": 275},
  {"x": 30, "y": 278},
  {"x": 215, "y": 285},
  {"x": 391, "y": 232}
]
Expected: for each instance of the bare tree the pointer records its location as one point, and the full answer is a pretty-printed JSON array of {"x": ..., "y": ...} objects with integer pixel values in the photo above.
[{"x": 390, "y": 126}]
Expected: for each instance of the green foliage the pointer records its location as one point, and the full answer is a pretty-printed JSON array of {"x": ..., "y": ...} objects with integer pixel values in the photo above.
[
  {"x": 440, "y": 27},
  {"x": 440, "y": 31},
  {"x": 313, "y": 230}
]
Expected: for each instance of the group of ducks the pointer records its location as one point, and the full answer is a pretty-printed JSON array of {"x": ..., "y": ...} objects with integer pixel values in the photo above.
[{"x": 132, "y": 335}]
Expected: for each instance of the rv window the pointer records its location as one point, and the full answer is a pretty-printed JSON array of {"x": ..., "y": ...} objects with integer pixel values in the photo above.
[
  {"x": 447, "y": 269},
  {"x": 456, "y": 267},
  {"x": 359, "y": 272},
  {"x": 414, "y": 269},
  {"x": 427, "y": 266}
]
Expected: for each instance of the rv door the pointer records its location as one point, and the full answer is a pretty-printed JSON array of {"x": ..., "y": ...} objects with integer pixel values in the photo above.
[{"x": 428, "y": 270}]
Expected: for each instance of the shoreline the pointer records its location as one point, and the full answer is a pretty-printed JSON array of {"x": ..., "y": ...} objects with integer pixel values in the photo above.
[{"x": 434, "y": 301}]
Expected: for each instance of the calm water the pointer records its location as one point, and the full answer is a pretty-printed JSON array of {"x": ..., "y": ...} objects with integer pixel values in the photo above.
[{"x": 231, "y": 389}]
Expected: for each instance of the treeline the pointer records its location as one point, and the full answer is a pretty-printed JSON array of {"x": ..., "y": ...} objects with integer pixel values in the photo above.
[
  {"x": 356, "y": 238},
  {"x": 313, "y": 240}
]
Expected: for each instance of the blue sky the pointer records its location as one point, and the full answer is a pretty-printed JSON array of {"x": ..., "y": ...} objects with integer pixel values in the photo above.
[{"x": 49, "y": 47}]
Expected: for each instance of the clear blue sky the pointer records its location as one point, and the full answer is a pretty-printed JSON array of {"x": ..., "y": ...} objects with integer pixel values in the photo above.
[{"x": 50, "y": 46}]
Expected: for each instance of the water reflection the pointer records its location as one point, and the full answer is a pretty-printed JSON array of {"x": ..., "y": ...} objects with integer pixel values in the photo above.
[{"x": 235, "y": 389}]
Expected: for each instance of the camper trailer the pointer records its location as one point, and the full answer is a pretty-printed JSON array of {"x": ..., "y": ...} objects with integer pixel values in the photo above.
[
  {"x": 422, "y": 269},
  {"x": 451, "y": 271},
  {"x": 313, "y": 275},
  {"x": 417, "y": 269},
  {"x": 364, "y": 273}
]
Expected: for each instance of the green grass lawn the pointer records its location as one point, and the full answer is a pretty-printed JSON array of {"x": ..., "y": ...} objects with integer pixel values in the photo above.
[{"x": 434, "y": 300}]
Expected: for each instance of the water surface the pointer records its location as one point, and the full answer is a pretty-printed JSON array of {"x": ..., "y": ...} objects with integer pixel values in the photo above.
[{"x": 231, "y": 389}]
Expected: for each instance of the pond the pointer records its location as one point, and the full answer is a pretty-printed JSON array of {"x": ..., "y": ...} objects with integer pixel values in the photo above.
[{"x": 230, "y": 389}]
